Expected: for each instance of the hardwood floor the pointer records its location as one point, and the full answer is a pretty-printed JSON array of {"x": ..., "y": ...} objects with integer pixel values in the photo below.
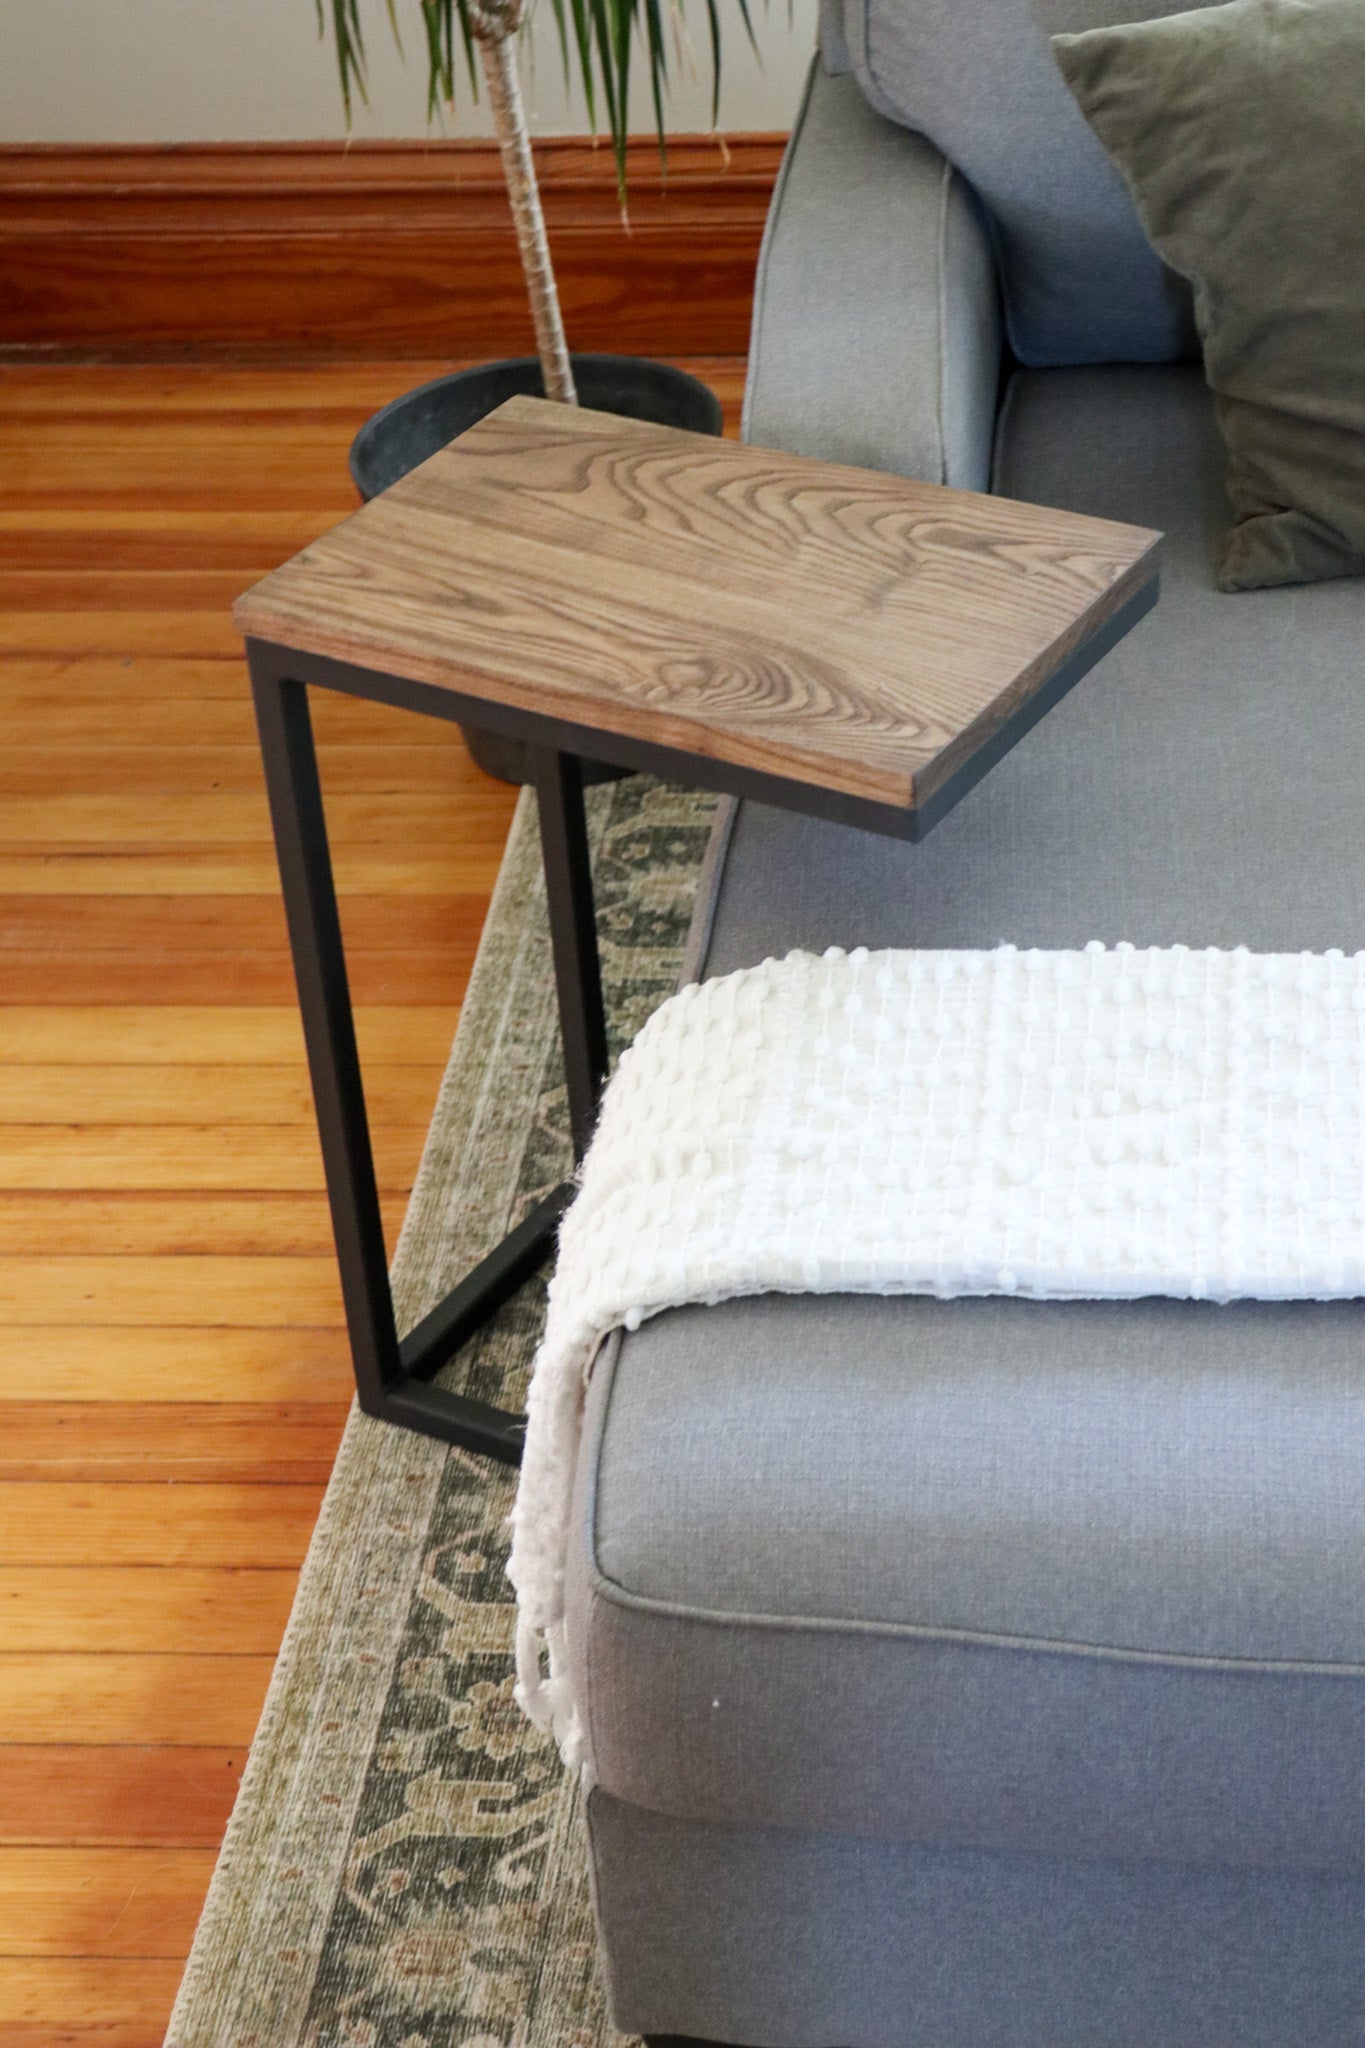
[{"x": 175, "y": 1376}]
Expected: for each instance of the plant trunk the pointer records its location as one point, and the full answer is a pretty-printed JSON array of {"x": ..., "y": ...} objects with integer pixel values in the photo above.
[{"x": 509, "y": 115}]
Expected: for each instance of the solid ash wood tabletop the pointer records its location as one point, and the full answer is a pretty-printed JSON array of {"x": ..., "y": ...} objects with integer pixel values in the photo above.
[{"x": 863, "y": 632}]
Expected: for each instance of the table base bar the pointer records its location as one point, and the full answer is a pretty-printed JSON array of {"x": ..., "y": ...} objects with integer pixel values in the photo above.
[
  {"x": 392, "y": 1373},
  {"x": 438, "y": 1336}
]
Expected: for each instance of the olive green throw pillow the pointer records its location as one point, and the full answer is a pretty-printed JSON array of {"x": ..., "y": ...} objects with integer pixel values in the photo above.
[{"x": 1241, "y": 130}]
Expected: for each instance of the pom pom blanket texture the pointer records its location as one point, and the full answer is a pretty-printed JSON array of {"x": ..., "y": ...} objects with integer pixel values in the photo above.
[{"x": 1103, "y": 1123}]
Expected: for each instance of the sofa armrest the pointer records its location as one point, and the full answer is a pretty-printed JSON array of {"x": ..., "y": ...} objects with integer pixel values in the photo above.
[{"x": 876, "y": 333}]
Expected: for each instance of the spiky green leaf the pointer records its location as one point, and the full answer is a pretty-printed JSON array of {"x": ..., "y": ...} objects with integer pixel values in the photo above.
[{"x": 596, "y": 39}]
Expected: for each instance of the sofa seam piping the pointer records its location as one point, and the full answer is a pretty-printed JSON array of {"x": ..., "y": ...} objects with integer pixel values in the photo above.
[
  {"x": 612, "y": 1593},
  {"x": 941, "y": 290},
  {"x": 770, "y": 228}
]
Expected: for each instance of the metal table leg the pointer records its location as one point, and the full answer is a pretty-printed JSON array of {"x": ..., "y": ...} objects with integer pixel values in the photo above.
[{"x": 391, "y": 1373}]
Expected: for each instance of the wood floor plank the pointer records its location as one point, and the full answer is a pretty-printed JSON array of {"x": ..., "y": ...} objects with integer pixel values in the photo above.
[
  {"x": 104, "y": 590},
  {"x": 194, "y": 1094},
  {"x": 167, "y": 701},
  {"x": 113, "y": 540},
  {"x": 76, "y": 486},
  {"x": 243, "y": 458},
  {"x": 227, "y": 1611},
  {"x": 97, "y": 2035},
  {"x": 67, "y": 1222},
  {"x": 72, "y": 712},
  {"x": 86, "y": 2001},
  {"x": 102, "y": 678},
  {"x": 155, "y": 770},
  {"x": 157, "y": 925},
  {"x": 247, "y": 475},
  {"x": 156, "y": 1363},
  {"x": 444, "y": 869},
  {"x": 244, "y": 1443},
  {"x": 192, "y": 1702},
  {"x": 105, "y": 1902},
  {"x": 99, "y": 824},
  {"x": 94, "y": 390},
  {"x": 250, "y": 439},
  {"x": 186, "y": 1156},
  {"x": 87, "y": 701},
  {"x": 141, "y": 1797},
  {"x": 41, "y": 393},
  {"x": 90, "y": 632},
  {"x": 428, "y": 974},
  {"x": 235, "y": 1293},
  {"x": 205, "y": 1034},
  {"x": 46, "y": 1523},
  {"x": 193, "y": 704}
]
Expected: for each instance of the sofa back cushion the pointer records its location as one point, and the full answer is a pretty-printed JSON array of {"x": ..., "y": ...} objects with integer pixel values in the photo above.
[{"x": 1081, "y": 282}]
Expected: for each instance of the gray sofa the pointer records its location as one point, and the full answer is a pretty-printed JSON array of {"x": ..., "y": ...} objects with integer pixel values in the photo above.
[{"x": 991, "y": 1674}]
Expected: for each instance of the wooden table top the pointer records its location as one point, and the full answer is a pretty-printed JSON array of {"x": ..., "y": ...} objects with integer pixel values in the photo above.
[{"x": 837, "y": 626}]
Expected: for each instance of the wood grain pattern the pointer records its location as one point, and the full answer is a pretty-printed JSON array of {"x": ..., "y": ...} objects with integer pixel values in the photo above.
[
  {"x": 835, "y": 625},
  {"x": 56, "y": 1222},
  {"x": 226, "y": 950},
  {"x": 396, "y": 248},
  {"x": 113, "y": 1289},
  {"x": 80, "y": 1034},
  {"x": 78, "y": 823},
  {"x": 229, "y": 1611},
  {"x": 63, "y": 633},
  {"x": 113, "y": 1902},
  {"x": 157, "y": 1362},
  {"x": 243, "y": 1443},
  {"x": 186, "y": 1156},
  {"x": 439, "y": 868},
  {"x": 46, "y": 1523},
  {"x": 114, "y": 924},
  {"x": 199, "y": 977},
  {"x": 168, "y": 1654},
  {"x": 174, "y": 770},
  {"x": 67, "y": 1796},
  {"x": 194, "y": 1094},
  {"x": 46, "y": 393},
  {"x": 85, "y": 2002},
  {"x": 78, "y": 709},
  {"x": 198, "y": 1702}
]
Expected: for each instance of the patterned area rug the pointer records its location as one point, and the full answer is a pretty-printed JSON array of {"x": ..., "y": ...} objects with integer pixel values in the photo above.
[{"x": 404, "y": 1868}]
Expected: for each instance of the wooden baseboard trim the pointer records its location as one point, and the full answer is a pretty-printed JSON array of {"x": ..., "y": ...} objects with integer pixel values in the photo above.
[{"x": 316, "y": 250}]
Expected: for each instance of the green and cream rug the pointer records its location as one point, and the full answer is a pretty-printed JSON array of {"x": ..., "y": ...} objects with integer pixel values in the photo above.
[{"x": 403, "y": 1868}]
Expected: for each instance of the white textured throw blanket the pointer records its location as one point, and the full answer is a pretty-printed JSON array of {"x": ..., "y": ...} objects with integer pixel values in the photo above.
[{"x": 1103, "y": 1123}]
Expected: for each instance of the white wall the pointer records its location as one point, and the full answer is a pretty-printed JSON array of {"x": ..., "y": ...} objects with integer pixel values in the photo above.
[{"x": 254, "y": 71}]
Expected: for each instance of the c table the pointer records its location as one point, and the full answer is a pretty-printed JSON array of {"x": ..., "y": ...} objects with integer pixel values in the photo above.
[{"x": 839, "y": 641}]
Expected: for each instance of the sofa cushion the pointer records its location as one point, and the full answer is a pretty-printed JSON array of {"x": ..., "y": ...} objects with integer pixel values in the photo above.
[
  {"x": 1081, "y": 281},
  {"x": 1238, "y": 129},
  {"x": 750, "y": 1934},
  {"x": 1076, "y": 1577}
]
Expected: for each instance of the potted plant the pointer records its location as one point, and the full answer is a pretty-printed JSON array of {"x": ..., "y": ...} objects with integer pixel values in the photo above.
[{"x": 597, "y": 38}]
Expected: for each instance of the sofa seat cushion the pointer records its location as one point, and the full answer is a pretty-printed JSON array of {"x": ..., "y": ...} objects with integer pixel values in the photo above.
[{"x": 1073, "y": 1577}]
